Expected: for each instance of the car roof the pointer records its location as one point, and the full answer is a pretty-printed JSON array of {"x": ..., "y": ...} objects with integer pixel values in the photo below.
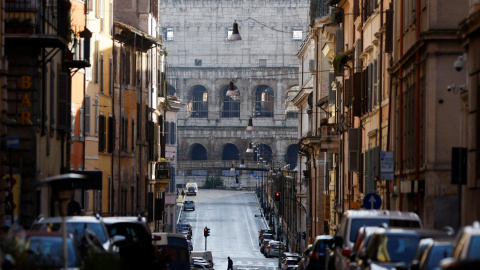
[
  {"x": 382, "y": 213},
  {"x": 326, "y": 237},
  {"x": 69, "y": 219},
  {"x": 109, "y": 220}
]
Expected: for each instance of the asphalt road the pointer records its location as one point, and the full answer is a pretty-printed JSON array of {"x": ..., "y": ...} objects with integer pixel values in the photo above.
[{"x": 234, "y": 221}]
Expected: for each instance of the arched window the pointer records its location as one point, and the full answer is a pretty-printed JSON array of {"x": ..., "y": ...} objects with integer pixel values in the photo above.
[
  {"x": 198, "y": 107},
  {"x": 231, "y": 104},
  {"x": 264, "y": 101},
  {"x": 230, "y": 152},
  {"x": 199, "y": 152},
  {"x": 263, "y": 152},
  {"x": 292, "y": 156}
]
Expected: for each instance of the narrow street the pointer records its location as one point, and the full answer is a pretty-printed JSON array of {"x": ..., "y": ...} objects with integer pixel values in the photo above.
[{"x": 234, "y": 221}]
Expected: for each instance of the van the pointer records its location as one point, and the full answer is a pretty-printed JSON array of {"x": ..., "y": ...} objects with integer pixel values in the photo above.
[
  {"x": 353, "y": 220},
  {"x": 207, "y": 255},
  {"x": 192, "y": 189}
]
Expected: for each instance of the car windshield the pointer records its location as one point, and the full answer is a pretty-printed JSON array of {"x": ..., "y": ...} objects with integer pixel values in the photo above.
[
  {"x": 291, "y": 262},
  {"x": 368, "y": 222},
  {"x": 76, "y": 228},
  {"x": 267, "y": 236},
  {"x": 47, "y": 250},
  {"x": 396, "y": 248},
  {"x": 474, "y": 248}
]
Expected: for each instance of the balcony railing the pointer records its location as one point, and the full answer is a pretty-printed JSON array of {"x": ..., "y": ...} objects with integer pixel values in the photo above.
[{"x": 27, "y": 17}]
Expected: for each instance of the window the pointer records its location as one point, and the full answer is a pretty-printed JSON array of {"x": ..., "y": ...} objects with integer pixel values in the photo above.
[
  {"x": 111, "y": 134},
  {"x": 101, "y": 74},
  {"x": 262, "y": 62},
  {"x": 96, "y": 116},
  {"x": 297, "y": 35},
  {"x": 101, "y": 133},
  {"x": 96, "y": 61},
  {"x": 198, "y": 106},
  {"x": 229, "y": 33},
  {"x": 133, "y": 135},
  {"x": 87, "y": 114},
  {"x": 264, "y": 101},
  {"x": 110, "y": 76},
  {"x": 198, "y": 62},
  {"x": 169, "y": 34}
]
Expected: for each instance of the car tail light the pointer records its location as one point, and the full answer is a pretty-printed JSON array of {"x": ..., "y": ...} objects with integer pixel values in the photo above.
[
  {"x": 314, "y": 255},
  {"x": 346, "y": 252}
]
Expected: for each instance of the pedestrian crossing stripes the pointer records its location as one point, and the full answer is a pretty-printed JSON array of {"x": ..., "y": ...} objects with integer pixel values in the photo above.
[{"x": 251, "y": 263}]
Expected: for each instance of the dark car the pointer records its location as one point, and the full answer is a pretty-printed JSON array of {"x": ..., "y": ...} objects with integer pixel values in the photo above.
[
  {"x": 189, "y": 205},
  {"x": 434, "y": 251},
  {"x": 136, "y": 251},
  {"x": 389, "y": 248},
  {"x": 87, "y": 230},
  {"x": 316, "y": 258},
  {"x": 45, "y": 250}
]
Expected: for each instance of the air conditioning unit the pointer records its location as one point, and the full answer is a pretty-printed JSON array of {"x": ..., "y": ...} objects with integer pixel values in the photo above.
[{"x": 312, "y": 65}]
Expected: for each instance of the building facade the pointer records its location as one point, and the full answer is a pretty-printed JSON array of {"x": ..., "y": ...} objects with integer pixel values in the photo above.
[{"x": 212, "y": 135}]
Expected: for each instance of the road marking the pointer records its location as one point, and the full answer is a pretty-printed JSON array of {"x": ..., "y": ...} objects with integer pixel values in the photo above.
[{"x": 248, "y": 227}]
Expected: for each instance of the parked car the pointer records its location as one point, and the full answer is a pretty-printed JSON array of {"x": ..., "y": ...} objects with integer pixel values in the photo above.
[
  {"x": 45, "y": 250},
  {"x": 87, "y": 230},
  {"x": 434, "y": 251},
  {"x": 265, "y": 236},
  {"x": 316, "y": 258},
  {"x": 137, "y": 250},
  {"x": 302, "y": 264},
  {"x": 190, "y": 246},
  {"x": 286, "y": 255},
  {"x": 353, "y": 220},
  {"x": 274, "y": 249},
  {"x": 391, "y": 247},
  {"x": 289, "y": 263},
  {"x": 466, "y": 249},
  {"x": 361, "y": 243},
  {"x": 207, "y": 255},
  {"x": 189, "y": 205},
  {"x": 262, "y": 231},
  {"x": 264, "y": 245}
]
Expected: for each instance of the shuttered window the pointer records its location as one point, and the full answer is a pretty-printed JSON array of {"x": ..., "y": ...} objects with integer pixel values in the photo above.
[
  {"x": 87, "y": 114},
  {"x": 111, "y": 134},
  {"x": 63, "y": 99},
  {"x": 101, "y": 133}
]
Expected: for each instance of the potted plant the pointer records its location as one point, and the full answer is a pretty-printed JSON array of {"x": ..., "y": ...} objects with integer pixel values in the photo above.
[{"x": 341, "y": 60}]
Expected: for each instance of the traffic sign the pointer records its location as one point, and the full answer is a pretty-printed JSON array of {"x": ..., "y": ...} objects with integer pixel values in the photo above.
[
  {"x": 372, "y": 201},
  {"x": 13, "y": 142}
]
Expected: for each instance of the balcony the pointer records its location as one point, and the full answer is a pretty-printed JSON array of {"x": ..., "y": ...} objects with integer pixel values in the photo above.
[
  {"x": 328, "y": 141},
  {"x": 31, "y": 22}
]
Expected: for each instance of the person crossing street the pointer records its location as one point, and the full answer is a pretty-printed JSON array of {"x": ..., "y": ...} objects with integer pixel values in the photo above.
[{"x": 230, "y": 264}]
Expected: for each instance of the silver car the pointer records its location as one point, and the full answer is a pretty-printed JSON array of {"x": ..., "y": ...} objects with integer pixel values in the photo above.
[{"x": 274, "y": 249}]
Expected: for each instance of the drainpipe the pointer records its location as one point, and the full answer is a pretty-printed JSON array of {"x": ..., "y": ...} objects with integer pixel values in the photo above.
[
  {"x": 400, "y": 109},
  {"x": 380, "y": 83},
  {"x": 417, "y": 104}
]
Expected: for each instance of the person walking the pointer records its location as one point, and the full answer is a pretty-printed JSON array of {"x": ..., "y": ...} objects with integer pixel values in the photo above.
[{"x": 230, "y": 264}]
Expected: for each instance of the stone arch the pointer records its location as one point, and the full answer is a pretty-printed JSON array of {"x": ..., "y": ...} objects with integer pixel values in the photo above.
[
  {"x": 198, "y": 102},
  {"x": 264, "y": 101},
  {"x": 291, "y": 158},
  {"x": 264, "y": 151},
  {"x": 230, "y": 105},
  {"x": 172, "y": 91},
  {"x": 230, "y": 152},
  {"x": 197, "y": 151}
]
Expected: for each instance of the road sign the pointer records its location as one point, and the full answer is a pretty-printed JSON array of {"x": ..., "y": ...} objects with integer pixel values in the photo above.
[
  {"x": 387, "y": 165},
  {"x": 13, "y": 142},
  {"x": 372, "y": 201}
]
